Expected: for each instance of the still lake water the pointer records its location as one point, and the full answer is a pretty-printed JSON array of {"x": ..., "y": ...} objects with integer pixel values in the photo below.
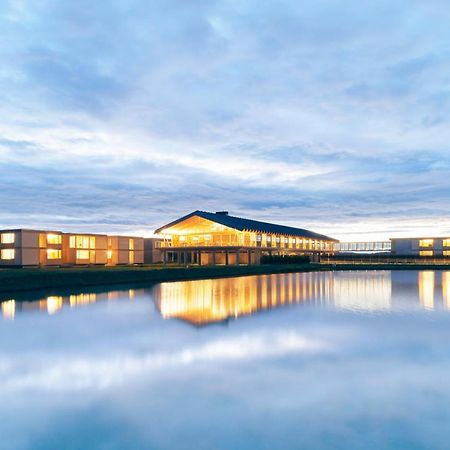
[{"x": 343, "y": 360}]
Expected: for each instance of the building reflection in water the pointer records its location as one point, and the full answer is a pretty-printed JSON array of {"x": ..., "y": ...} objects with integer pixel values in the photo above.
[
  {"x": 53, "y": 304},
  {"x": 201, "y": 302},
  {"x": 207, "y": 301}
]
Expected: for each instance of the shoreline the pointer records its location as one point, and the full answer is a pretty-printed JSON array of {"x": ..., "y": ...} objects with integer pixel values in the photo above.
[{"x": 23, "y": 280}]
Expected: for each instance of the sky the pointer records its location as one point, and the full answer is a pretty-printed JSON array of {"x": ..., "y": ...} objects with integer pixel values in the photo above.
[{"x": 123, "y": 115}]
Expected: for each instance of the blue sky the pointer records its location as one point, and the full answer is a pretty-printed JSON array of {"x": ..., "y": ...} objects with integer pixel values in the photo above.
[{"x": 123, "y": 115}]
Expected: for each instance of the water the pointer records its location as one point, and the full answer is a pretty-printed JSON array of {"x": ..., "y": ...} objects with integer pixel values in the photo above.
[{"x": 345, "y": 360}]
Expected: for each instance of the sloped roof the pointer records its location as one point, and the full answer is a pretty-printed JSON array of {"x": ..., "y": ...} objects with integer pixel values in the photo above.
[{"x": 241, "y": 224}]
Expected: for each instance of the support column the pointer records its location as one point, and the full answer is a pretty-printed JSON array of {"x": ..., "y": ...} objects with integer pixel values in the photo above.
[
  {"x": 226, "y": 258},
  {"x": 237, "y": 257},
  {"x": 213, "y": 253},
  {"x": 249, "y": 261}
]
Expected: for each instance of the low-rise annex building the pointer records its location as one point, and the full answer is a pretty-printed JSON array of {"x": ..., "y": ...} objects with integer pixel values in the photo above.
[
  {"x": 424, "y": 246},
  {"x": 24, "y": 247},
  {"x": 206, "y": 238},
  {"x": 125, "y": 250}
]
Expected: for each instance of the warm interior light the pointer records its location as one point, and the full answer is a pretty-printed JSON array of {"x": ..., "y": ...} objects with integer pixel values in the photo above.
[
  {"x": 53, "y": 253},
  {"x": 7, "y": 238},
  {"x": 426, "y": 243},
  {"x": 54, "y": 238},
  {"x": 7, "y": 254}
]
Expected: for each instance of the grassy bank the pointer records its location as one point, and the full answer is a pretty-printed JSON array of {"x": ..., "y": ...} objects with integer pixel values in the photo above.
[{"x": 13, "y": 280}]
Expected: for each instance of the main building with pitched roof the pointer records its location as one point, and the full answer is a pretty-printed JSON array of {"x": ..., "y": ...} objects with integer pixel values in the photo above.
[{"x": 217, "y": 238}]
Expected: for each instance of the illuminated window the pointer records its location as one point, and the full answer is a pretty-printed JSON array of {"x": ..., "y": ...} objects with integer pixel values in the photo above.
[
  {"x": 81, "y": 241},
  {"x": 110, "y": 253},
  {"x": 131, "y": 244},
  {"x": 131, "y": 258},
  {"x": 53, "y": 253},
  {"x": 54, "y": 238},
  {"x": 446, "y": 253},
  {"x": 446, "y": 243},
  {"x": 182, "y": 238},
  {"x": 7, "y": 238},
  {"x": 426, "y": 243},
  {"x": 8, "y": 253},
  {"x": 426, "y": 253},
  {"x": 82, "y": 254}
]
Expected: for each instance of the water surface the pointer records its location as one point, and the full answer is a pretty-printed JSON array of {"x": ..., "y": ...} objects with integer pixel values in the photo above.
[{"x": 343, "y": 360}]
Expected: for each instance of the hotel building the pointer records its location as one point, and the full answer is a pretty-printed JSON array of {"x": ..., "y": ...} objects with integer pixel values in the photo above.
[
  {"x": 22, "y": 248},
  {"x": 206, "y": 238},
  {"x": 431, "y": 247}
]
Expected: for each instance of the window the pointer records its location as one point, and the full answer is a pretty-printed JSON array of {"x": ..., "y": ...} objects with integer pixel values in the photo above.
[
  {"x": 131, "y": 258},
  {"x": 80, "y": 241},
  {"x": 446, "y": 253},
  {"x": 110, "y": 254},
  {"x": 8, "y": 254},
  {"x": 82, "y": 254},
  {"x": 7, "y": 238},
  {"x": 131, "y": 244},
  {"x": 426, "y": 253},
  {"x": 53, "y": 253},
  {"x": 446, "y": 243},
  {"x": 426, "y": 243},
  {"x": 54, "y": 238}
]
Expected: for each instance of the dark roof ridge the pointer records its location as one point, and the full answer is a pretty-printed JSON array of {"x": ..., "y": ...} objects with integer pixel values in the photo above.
[{"x": 242, "y": 224}]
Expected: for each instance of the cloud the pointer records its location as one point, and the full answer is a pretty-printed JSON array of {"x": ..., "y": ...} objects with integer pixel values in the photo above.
[{"x": 315, "y": 114}]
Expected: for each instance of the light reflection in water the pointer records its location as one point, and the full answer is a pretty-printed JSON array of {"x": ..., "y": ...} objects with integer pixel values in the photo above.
[
  {"x": 426, "y": 289},
  {"x": 54, "y": 303},
  {"x": 9, "y": 309},
  {"x": 206, "y": 301},
  {"x": 202, "y": 302}
]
